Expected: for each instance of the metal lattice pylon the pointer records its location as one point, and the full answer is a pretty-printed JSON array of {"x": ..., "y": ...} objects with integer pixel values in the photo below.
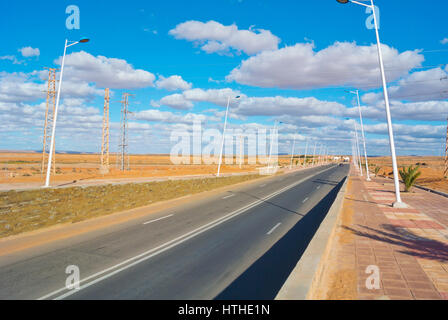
[
  {"x": 104, "y": 167},
  {"x": 123, "y": 144},
  {"x": 49, "y": 117}
]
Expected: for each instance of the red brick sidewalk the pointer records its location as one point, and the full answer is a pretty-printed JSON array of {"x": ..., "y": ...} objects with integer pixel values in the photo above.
[{"x": 409, "y": 246}]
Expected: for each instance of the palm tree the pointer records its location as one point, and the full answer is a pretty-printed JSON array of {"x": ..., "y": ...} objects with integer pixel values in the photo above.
[
  {"x": 409, "y": 176},
  {"x": 377, "y": 169}
]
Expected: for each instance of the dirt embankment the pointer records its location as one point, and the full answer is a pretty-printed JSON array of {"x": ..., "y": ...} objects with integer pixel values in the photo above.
[
  {"x": 432, "y": 169},
  {"x": 27, "y": 167},
  {"x": 22, "y": 211}
]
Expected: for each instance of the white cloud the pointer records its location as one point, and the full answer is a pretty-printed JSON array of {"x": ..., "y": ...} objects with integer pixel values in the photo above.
[
  {"x": 173, "y": 83},
  {"x": 422, "y": 110},
  {"x": 215, "y": 96},
  {"x": 176, "y": 101},
  {"x": 444, "y": 41},
  {"x": 416, "y": 131},
  {"x": 185, "y": 99},
  {"x": 215, "y": 37},
  {"x": 29, "y": 52},
  {"x": 170, "y": 117},
  {"x": 287, "y": 106},
  {"x": 19, "y": 87},
  {"x": 105, "y": 72},
  {"x": 419, "y": 86},
  {"x": 11, "y": 58},
  {"x": 341, "y": 64}
]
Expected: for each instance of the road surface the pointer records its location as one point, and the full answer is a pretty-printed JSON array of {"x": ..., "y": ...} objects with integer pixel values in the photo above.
[{"x": 240, "y": 244}]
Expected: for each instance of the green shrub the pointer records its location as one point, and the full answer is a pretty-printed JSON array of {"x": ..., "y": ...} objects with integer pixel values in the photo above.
[
  {"x": 377, "y": 170},
  {"x": 409, "y": 176}
]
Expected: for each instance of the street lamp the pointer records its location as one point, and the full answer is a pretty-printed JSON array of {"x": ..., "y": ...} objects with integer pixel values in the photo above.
[
  {"x": 306, "y": 151},
  {"x": 272, "y": 142},
  {"x": 362, "y": 133},
  {"x": 223, "y": 134},
  {"x": 50, "y": 155},
  {"x": 292, "y": 152},
  {"x": 398, "y": 203},
  {"x": 358, "y": 149}
]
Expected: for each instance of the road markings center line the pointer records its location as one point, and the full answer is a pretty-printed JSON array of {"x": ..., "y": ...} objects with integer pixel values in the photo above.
[
  {"x": 229, "y": 196},
  {"x": 275, "y": 227},
  {"x": 318, "y": 187},
  {"x": 304, "y": 200},
  {"x": 130, "y": 262},
  {"x": 151, "y": 221}
]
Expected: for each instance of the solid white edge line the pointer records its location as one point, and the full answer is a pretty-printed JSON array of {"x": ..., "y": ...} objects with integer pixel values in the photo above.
[
  {"x": 172, "y": 243},
  {"x": 151, "y": 221},
  {"x": 227, "y": 197},
  {"x": 275, "y": 227}
]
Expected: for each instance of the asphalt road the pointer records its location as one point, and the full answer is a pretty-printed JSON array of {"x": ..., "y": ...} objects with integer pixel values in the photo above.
[{"x": 241, "y": 244}]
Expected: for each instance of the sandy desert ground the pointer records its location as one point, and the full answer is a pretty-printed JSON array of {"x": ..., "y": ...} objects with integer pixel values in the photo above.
[
  {"x": 431, "y": 167},
  {"x": 16, "y": 167}
]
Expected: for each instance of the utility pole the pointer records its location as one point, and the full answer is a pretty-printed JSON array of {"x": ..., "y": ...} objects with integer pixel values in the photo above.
[
  {"x": 241, "y": 150},
  {"x": 445, "y": 173},
  {"x": 306, "y": 151},
  {"x": 49, "y": 116},
  {"x": 123, "y": 146},
  {"x": 358, "y": 150},
  {"x": 363, "y": 136},
  {"x": 224, "y": 134},
  {"x": 274, "y": 134},
  {"x": 292, "y": 152},
  {"x": 104, "y": 167}
]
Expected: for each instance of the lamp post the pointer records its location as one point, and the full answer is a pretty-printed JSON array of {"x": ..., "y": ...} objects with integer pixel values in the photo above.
[
  {"x": 223, "y": 135},
  {"x": 314, "y": 153},
  {"x": 306, "y": 151},
  {"x": 357, "y": 148},
  {"x": 362, "y": 133},
  {"x": 292, "y": 152},
  {"x": 50, "y": 155},
  {"x": 272, "y": 142},
  {"x": 398, "y": 202}
]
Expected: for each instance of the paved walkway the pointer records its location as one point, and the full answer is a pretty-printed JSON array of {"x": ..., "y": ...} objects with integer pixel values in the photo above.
[{"x": 409, "y": 247}]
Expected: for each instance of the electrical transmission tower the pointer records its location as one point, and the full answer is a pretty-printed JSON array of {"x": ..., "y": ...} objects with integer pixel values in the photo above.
[
  {"x": 123, "y": 144},
  {"x": 445, "y": 173},
  {"x": 104, "y": 168},
  {"x": 49, "y": 117}
]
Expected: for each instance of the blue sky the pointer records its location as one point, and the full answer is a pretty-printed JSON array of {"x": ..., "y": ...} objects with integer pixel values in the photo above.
[{"x": 296, "y": 57}]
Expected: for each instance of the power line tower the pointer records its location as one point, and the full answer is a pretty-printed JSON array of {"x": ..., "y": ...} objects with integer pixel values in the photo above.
[
  {"x": 445, "y": 173},
  {"x": 104, "y": 167},
  {"x": 123, "y": 144},
  {"x": 49, "y": 117}
]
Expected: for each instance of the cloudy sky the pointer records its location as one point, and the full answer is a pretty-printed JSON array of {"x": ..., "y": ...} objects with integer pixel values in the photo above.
[{"x": 291, "y": 61}]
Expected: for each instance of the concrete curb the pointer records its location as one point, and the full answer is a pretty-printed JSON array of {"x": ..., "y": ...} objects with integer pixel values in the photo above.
[
  {"x": 304, "y": 279},
  {"x": 440, "y": 193}
]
